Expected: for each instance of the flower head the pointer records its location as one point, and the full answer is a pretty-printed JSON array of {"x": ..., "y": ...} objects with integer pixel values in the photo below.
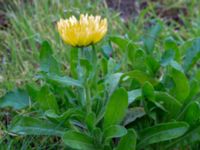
[{"x": 83, "y": 32}]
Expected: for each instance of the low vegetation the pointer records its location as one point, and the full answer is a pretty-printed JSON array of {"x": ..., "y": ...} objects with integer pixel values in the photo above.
[{"x": 136, "y": 88}]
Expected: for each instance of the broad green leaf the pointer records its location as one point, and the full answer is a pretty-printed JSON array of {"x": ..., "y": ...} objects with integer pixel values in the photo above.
[
  {"x": 121, "y": 42},
  {"x": 191, "y": 114},
  {"x": 47, "y": 62},
  {"x": 140, "y": 76},
  {"x": 153, "y": 64},
  {"x": 139, "y": 60},
  {"x": 189, "y": 138},
  {"x": 32, "y": 126},
  {"x": 133, "y": 95},
  {"x": 98, "y": 137},
  {"x": 148, "y": 91},
  {"x": 116, "y": 108},
  {"x": 167, "y": 82},
  {"x": 63, "y": 81},
  {"x": 171, "y": 44},
  {"x": 53, "y": 116},
  {"x": 77, "y": 140},
  {"x": 171, "y": 104},
  {"x": 128, "y": 142},
  {"x": 149, "y": 96},
  {"x": 46, "y": 99},
  {"x": 112, "y": 66},
  {"x": 182, "y": 87},
  {"x": 167, "y": 57},
  {"x": 17, "y": 99},
  {"x": 162, "y": 132},
  {"x": 197, "y": 75},
  {"x": 107, "y": 51},
  {"x": 132, "y": 53},
  {"x": 176, "y": 66},
  {"x": 32, "y": 89},
  {"x": 194, "y": 88},
  {"x": 112, "y": 82},
  {"x": 114, "y": 132},
  {"x": 133, "y": 114},
  {"x": 90, "y": 120},
  {"x": 151, "y": 36},
  {"x": 192, "y": 54}
]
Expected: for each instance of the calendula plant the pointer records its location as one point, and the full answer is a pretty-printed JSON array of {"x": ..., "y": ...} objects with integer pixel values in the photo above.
[{"x": 124, "y": 95}]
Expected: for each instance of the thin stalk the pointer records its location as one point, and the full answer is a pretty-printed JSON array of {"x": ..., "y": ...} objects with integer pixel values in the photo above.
[
  {"x": 88, "y": 98},
  {"x": 87, "y": 93},
  {"x": 94, "y": 56},
  {"x": 94, "y": 63}
]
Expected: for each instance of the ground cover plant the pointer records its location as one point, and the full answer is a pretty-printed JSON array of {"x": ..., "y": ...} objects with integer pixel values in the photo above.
[{"x": 114, "y": 84}]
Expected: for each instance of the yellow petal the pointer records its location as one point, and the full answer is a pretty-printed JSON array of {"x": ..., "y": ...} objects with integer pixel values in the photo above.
[{"x": 83, "y": 32}]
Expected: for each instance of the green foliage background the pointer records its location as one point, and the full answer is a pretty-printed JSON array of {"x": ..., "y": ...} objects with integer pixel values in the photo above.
[{"x": 140, "y": 90}]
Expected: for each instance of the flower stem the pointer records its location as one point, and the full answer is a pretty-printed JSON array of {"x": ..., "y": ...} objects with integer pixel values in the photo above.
[
  {"x": 94, "y": 55},
  {"x": 86, "y": 90},
  {"x": 88, "y": 98},
  {"x": 94, "y": 63}
]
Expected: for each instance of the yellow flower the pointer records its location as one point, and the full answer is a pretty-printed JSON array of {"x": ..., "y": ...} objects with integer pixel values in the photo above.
[{"x": 83, "y": 32}]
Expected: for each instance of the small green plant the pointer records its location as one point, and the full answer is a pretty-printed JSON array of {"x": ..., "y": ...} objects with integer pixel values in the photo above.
[{"x": 123, "y": 95}]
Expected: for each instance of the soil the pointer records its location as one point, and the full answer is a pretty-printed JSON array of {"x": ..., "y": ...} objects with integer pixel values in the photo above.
[
  {"x": 129, "y": 9},
  {"x": 3, "y": 21}
]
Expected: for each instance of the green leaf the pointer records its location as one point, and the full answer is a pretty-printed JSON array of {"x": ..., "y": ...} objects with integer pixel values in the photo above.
[
  {"x": 148, "y": 91},
  {"x": 150, "y": 38},
  {"x": 148, "y": 95},
  {"x": 53, "y": 116},
  {"x": 114, "y": 132},
  {"x": 128, "y": 142},
  {"x": 189, "y": 138},
  {"x": 191, "y": 114},
  {"x": 194, "y": 88},
  {"x": 90, "y": 120},
  {"x": 32, "y": 126},
  {"x": 112, "y": 82},
  {"x": 167, "y": 57},
  {"x": 121, "y": 42},
  {"x": 176, "y": 66},
  {"x": 46, "y": 99},
  {"x": 32, "y": 89},
  {"x": 112, "y": 66},
  {"x": 140, "y": 76},
  {"x": 138, "y": 60},
  {"x": 182, "y": 87},
  {"x": 192, "y": 54},
  {"x": 63, "y": 81},
  {"x": 133, "y": 95},
  {"x": 162, "y": 132},
  {"x": 171, "y": 44},
  {"x": 152, "y": 64},
  {"x": 47, "y": 62},
  {"x": 17, "y": 99},
  {"x": 172, "y": 105},
  {"x": 98, "y": 138},
  {"x": 133, "y": 114},
  {"x": 116, "y": 108},
  {"x": 77, "y": 140},
  {"x": 107, "y": 51}
]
